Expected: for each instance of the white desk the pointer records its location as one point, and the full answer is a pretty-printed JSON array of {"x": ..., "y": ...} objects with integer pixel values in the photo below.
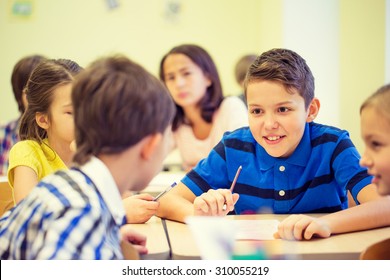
[
  {"x": 341, "y": 246},
  {"x": 173, "y": 161},
  {"x": 156, "y": 240},
  {"x": 162, "y": 181}
]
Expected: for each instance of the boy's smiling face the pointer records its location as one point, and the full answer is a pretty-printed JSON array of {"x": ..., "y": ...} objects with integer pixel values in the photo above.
[{"x": 277, "y": 117}]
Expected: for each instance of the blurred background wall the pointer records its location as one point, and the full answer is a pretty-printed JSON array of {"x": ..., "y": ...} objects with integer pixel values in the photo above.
[{"x": 345, "y": 42}]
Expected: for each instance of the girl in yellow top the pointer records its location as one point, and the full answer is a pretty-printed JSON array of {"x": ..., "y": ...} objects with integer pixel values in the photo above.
[
  {"x": 46, "y": 127},
  {"x": 46, "y": 131}
]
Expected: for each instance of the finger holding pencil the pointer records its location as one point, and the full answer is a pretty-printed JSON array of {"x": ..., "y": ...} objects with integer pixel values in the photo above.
[
  {"x": 164, "y": 191},
  {"x": 233, "y": 184},
  {"x": 217, "y": 202}
]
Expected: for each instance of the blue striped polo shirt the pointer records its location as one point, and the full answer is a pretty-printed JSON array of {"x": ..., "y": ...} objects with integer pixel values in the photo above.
[
  {"x": 314, "y": 179},
  {"x": 72, "y": 214}
]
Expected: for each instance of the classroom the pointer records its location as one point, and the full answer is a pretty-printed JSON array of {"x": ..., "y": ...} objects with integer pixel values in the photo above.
[
  {"x": 340, "y": 33},
  {"x": 346, "y": 43}
]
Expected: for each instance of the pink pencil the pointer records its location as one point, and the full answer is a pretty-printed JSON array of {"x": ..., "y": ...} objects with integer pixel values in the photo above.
[{"x": 233, "y": 184}]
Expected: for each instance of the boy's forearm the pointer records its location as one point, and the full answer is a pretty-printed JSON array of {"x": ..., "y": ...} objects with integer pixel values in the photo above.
[
  {"x": 174, "y": 207},
  {"x": 369, "y": 215}
]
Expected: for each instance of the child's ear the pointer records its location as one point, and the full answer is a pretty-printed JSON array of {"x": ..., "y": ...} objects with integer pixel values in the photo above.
[
  {"x": 151, "y": 144},
  {"x": 209, "y": 82},
  {"x": 42, "y": 120},
  {"x": 314, "y": 108}
]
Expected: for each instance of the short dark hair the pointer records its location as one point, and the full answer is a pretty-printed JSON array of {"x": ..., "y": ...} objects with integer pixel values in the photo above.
[
  {"x": 213, "y": 97},
  {"x": 116, "y": 104},
  {"x": 20, "y": 75},
  {"x": 286, "y": 67}
]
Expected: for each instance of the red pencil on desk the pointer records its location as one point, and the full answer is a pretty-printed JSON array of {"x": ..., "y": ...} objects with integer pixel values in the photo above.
[{"x": 233, "y": 184}]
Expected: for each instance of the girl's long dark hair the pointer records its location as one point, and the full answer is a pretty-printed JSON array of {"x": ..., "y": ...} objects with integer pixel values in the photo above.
[{"x": 214, "y": 95}]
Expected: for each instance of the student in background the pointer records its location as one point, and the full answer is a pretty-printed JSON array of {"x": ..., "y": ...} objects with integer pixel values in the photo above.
[
  {"x": 9, "y": 133},
  {"x": 47, "y": 131},
  {"x": 203, "y": 114},
  {"x": 46, "y": 127},
  {"x": 375, "y": 128},
  {"x": 77, "y": 213},
  {"x": 289, "y": 163},
  {"x": 240, "y": 70}
]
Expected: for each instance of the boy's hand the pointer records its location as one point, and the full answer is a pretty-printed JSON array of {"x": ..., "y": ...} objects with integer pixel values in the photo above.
[
  {"x": 136, "y": 239},
  {"x": 299, "y": 227},
  {"x": 140, "y": 208},
  {"x": 211, "y": 203}
]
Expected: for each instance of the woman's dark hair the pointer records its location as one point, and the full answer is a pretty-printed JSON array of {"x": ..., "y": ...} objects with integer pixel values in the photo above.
[{"x": 214, "y": 95}]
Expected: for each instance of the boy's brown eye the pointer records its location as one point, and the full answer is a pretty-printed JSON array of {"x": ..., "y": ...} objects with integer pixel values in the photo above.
[{"x": 283, "y": 109}]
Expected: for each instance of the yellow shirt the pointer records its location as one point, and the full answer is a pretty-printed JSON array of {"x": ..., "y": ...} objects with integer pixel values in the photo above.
[{"x": 40, "y": 157}]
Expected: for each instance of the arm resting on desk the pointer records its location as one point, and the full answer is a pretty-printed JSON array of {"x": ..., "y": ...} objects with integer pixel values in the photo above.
[
  {"x": 180, "y": 203},
  {"x": 369, "y": 215},
  {"x": 177, "y": 204}
]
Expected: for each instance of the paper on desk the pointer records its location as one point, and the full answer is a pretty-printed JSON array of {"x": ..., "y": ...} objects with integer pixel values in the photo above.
[
  {"x": 213, "y": 235},
  {"x": 255, "y": 229}
]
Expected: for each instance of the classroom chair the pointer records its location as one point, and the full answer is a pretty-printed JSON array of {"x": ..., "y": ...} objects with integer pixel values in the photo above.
[
  {"x": 377, "y": 251},
  {"x": 7, "y": 200}
]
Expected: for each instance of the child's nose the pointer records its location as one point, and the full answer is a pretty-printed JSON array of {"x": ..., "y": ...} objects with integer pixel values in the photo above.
[
  {"x": 270, "y": 121},
  {"x": 365, "y": 160}
]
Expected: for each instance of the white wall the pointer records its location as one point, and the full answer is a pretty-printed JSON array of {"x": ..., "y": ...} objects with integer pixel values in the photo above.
[
  {"x": 341, "y": 40},
  {"x": 311, "y": 28},
  {"x": 143, "y": 30}
]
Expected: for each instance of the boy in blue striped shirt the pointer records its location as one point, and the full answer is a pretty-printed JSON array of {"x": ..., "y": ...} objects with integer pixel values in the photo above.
[
  {"x": 122, "y": 120},
  {"x": 290, "y": 164}
]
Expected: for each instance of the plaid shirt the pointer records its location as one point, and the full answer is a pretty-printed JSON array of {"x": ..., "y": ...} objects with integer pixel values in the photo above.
[
  {"x": 9, "y": 135},
  {"x": 71, "y": 214}
]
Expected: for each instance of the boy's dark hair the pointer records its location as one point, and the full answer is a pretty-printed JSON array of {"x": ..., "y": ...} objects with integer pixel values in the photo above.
[
  {"x": 212, "y": 99},
  {"x": 116, "y": 104},
  {"x": 43, "y": 81},
  {"x": 286, "y": 67},
  {"x": 20, "y": 75}
]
